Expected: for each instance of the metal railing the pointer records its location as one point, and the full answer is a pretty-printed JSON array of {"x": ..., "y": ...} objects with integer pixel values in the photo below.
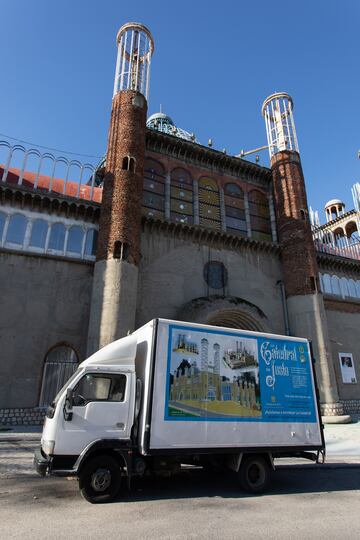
[
  {"x": 46, "y": 172},
  {"x": 351, "y": 251}
]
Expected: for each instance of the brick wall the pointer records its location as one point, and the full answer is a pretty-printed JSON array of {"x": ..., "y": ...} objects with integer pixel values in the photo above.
[
  {"x": 120, "y": 217},
  {"x": 294, "y": 232}
]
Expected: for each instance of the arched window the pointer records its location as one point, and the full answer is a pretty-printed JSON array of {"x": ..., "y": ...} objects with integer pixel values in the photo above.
[
  {"x": 259, "y": 216},
  {"x": 16, "y": 229},
  {"x": 60, "y": 363},
  {"x": 335, "y": 285},
  {"x": 339, "y": 237},
  {"x": 154, "y": 189},
  {"x": 326, "y": 282},
  {"x": 75, "y": 240},
  {"x": 90, "y": 243},
  {"x": 2, "y": 225},
  {"x": 38, "y": 234},
  {"x": 352, "y": 288},
  {"x": 128, "y": 164},
  {"x": 235, "y": 209},
  {"x": 57, "y": 237},
  {"x": 209, "y": 203},
  {"x": 352, "y": 232},
  {"x": 181, "y": 194}
]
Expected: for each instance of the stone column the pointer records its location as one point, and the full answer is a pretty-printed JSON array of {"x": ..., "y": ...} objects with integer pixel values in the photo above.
[
  {"x": 222, "y": 209},
  {"x": 167, "y": 196},
  {"x": 272, "y": 218},
  {"x": 196, "y": 202},
  {"x": 247, "y": 214}
]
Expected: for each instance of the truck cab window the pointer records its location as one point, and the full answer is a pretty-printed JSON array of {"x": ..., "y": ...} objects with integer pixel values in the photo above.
[{"x": 96, "y": 387}]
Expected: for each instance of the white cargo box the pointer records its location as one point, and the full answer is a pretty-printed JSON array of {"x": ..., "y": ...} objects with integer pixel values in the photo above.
[{"x": 206, "y": 387}]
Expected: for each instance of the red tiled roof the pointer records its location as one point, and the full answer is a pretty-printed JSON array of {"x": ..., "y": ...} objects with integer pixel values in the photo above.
[{"x": 43, "y": 184}]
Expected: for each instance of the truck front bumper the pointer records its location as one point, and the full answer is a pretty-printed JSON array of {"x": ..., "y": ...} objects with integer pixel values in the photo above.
[{"x": 41, "y": 462}]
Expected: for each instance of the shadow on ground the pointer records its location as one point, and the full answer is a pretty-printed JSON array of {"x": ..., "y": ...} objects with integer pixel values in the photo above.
[{"x": 186, "y": 485}]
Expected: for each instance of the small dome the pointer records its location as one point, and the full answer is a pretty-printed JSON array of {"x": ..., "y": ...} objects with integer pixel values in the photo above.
[
  {"x": 334, "y": 202},
  {"x": 159, "y": 117},
  {"x": 162, "y": 122}
]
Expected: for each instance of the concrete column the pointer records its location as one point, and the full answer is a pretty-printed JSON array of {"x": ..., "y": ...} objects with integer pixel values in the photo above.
[
  {"x": 113, "y": 306},
  {"x": 247, "y": 214},
  {"x": 307, "y": 319},
  {"x": 28, "y": 232},
  {"x": 222, "y": 209},
  {"x": 167, "y": 196},
  {"x": 272, "y": 218},
  {"x": 196, "y": 202}
]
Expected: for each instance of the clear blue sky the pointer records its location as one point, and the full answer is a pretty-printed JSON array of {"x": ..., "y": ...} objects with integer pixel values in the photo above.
[{"x": 214, "y": 63}]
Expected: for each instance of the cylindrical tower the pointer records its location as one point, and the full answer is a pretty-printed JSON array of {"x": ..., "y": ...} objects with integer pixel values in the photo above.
[
  {"x": 304, "y": 299},
  {"x": 114, "y": 294}
]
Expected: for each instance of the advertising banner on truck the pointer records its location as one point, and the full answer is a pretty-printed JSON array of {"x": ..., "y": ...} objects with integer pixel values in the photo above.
[{"x": 220, "y": 376}]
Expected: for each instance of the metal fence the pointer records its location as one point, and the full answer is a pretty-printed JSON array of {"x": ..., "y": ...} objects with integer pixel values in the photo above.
[{"x": 351, "y": 251}]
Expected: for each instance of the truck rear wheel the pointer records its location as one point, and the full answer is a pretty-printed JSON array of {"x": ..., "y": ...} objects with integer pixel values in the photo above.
[
  {"x": 254, "y": 474},
  {"x": 100, "y": 478}
]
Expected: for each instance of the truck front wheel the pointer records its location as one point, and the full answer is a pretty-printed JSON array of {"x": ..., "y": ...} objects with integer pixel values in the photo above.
[
  {"x": 99, "y": 480},
  {"x": 254, "y": 474}
]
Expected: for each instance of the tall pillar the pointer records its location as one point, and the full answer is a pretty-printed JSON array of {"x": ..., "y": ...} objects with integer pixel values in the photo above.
[
  {"x": 114, "y": 292},
  {"x": 306, "y": 309}
]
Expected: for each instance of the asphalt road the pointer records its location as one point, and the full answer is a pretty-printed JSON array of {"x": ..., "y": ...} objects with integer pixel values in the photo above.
[{"x": 304, "y": 502}]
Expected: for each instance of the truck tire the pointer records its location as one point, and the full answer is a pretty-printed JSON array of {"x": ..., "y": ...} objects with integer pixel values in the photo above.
[
  {"x": 100, "y": 478},
  {"x": 254, "y": 474}
]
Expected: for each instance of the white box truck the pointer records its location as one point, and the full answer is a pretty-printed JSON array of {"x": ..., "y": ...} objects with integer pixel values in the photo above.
[{"x": 177, "y": 393}]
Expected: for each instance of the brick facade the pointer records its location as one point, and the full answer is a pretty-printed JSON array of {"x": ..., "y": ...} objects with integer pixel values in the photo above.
[
  {"x": 120, "y": 216},
  {"x": 294, "y": 232}
]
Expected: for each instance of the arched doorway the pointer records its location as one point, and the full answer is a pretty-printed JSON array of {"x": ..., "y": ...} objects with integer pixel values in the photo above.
[
  {"x": 60, "y": 363},
  {"x": 233, "y": 318},
  {"x": 229, "y": 312}
]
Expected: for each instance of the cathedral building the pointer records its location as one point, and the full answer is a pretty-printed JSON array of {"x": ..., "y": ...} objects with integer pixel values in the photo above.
[{"x": 167, "y": 227}]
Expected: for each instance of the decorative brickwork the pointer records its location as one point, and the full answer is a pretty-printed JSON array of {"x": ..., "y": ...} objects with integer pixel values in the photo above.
[
  {"x": 294, "y": 232},
  {"x": 22, "y": 417},
  {"x": 120, "y": 216}
]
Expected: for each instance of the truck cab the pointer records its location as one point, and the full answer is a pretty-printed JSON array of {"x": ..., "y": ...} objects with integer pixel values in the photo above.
[{"x": 93, "y": 412}]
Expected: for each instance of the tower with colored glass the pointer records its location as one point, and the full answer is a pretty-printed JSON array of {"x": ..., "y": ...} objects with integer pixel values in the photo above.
[
  {"x": 113, "y": 304},
  {"x": 300, "y": 271}
]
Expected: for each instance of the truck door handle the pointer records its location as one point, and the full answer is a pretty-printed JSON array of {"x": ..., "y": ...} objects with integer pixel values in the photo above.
[{"x": 120, "y": 425}]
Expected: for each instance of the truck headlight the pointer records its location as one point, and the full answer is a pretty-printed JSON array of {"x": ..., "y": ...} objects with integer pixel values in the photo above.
[{"x": 48, "y": 446}]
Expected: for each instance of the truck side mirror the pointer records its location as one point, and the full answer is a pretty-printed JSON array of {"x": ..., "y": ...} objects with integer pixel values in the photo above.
[{"x": 67, "y": 410}]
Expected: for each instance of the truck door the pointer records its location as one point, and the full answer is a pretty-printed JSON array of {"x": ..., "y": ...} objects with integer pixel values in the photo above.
[{"x": 102, "y": 409}]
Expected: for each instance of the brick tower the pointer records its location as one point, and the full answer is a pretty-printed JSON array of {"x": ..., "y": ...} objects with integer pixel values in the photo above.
[
  {"x": 304, "y": 300},
  {"x": 113, "y": 303}
]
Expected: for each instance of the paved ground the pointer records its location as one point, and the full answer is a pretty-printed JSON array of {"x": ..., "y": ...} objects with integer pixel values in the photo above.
[{"x": 305, "y": 501}]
